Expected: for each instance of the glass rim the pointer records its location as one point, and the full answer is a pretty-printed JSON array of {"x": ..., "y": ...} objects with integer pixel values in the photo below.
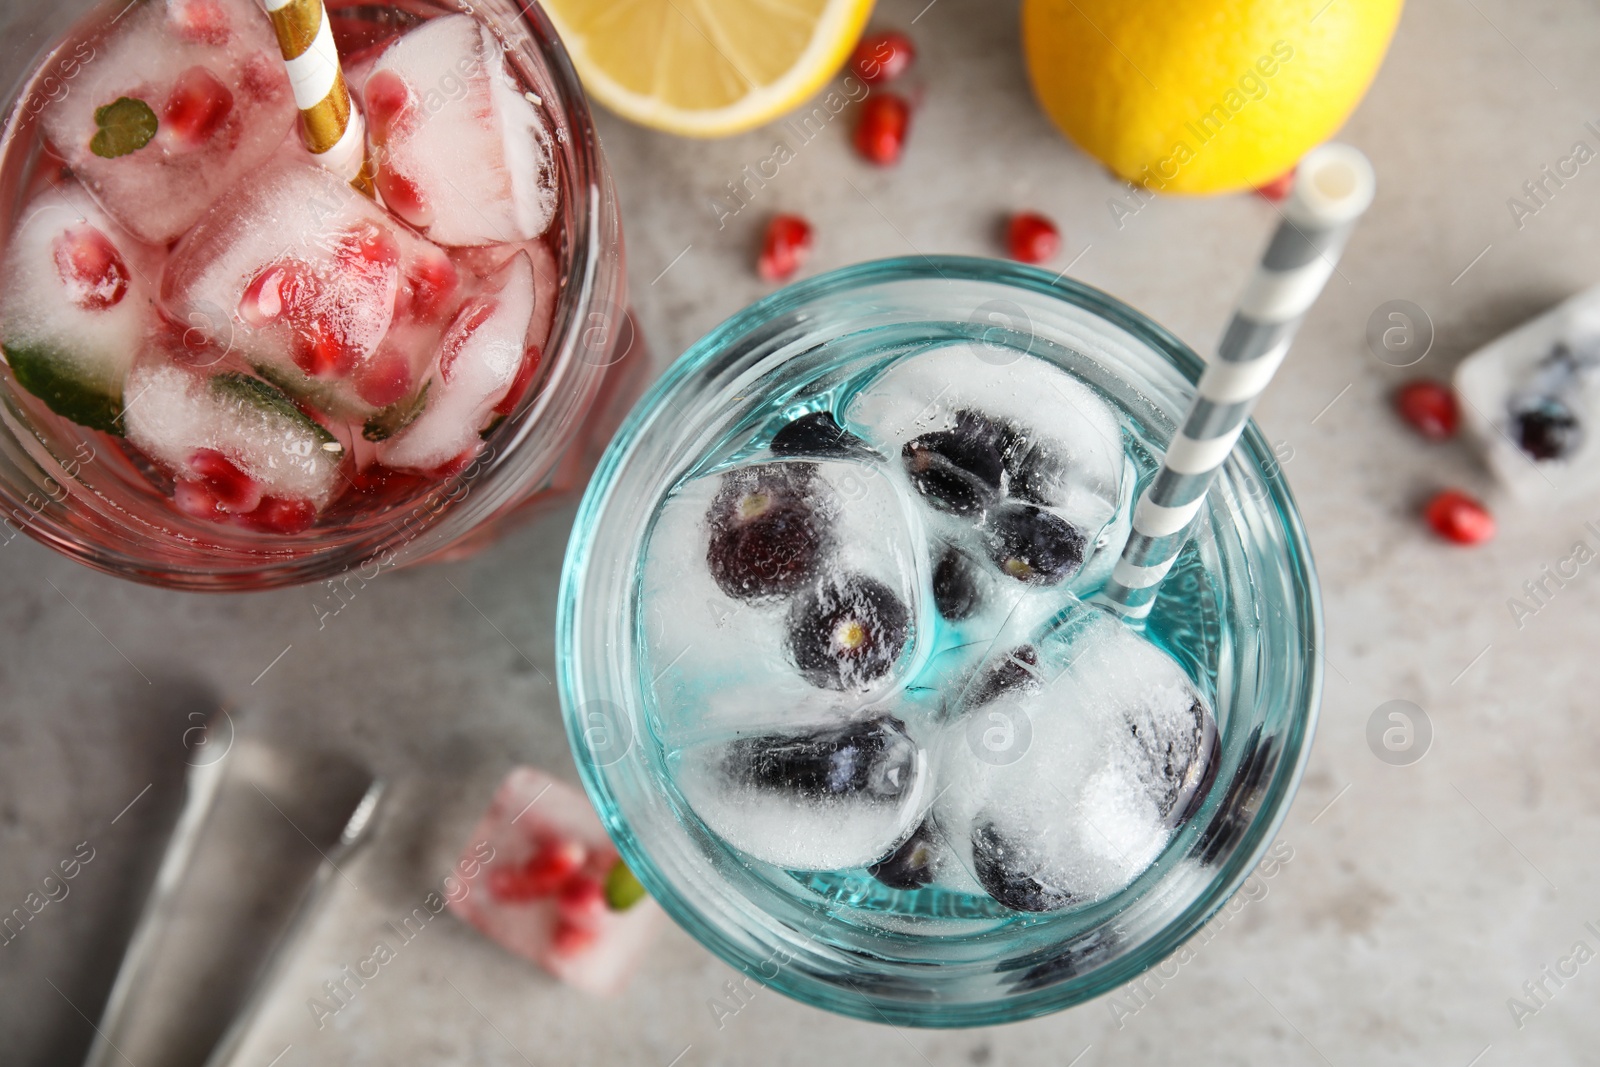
[{"x": 1276, "y": 797}]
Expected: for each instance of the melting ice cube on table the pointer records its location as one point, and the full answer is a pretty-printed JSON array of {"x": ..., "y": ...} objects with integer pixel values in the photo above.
[
  {"x": 551, "y": 888},
  {"x": 1533, "y": 401},
  {"x": 174, "y": 104}
]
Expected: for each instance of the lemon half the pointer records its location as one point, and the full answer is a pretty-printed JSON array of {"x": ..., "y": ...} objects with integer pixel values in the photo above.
[{"x": 706, "y": 68}]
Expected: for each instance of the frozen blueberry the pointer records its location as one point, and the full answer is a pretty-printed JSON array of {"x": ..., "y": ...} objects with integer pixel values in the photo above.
[
  {"x": 874, "y": 758},
  {"x": 913, "y": 864},
  {"x": 769, "y": 529},
  {"x": 955, "y": 586},
  {"x": 1031, "y": 470},
  {"x": 957, "y": 470},
  {"x": 1549, "y": 430},
  {"x": 1010, "y": 675},
  {"x": 818, "y": 434},
  {"x": 847, "y": 633},
  {"x": 1182, "y": 756},
  {"x": 1033, "y": 545},
  {"x": 999, "y": 868}
]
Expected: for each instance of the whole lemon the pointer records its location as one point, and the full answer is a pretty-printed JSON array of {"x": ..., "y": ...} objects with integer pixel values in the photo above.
[{"x": 1203, "y": 96}]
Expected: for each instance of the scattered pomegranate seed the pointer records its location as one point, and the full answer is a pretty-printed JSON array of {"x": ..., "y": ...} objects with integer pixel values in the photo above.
[
  {"x": 883, "y": 57},
  {"x": 1278, "y": 188},
  {"x": 200, "y": 21},
  {"x": 281, "y": 515},
  {"x": 519, "y": 384},
  {"x": 1032, "y": 238},
  {"x": 1430, "y": 407},
  {"x": 196, "y": 107},
  {"x": 94, "y": 272},
  {"x": 785, "y": 248},
  {"x": 881, "y": 130},
  {"x": 233, "y": 489},
  {"x": 1457, "y": 517},
  {"x": 570, "y": 939},
  {"x": 472, "y": 315}
]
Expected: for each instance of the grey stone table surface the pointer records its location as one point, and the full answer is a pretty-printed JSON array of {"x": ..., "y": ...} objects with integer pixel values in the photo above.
[{"x": 1417, "y": 900}]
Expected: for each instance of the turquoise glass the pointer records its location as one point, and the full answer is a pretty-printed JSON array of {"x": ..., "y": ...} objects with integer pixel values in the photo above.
[{"x": 1240, "y": 611}]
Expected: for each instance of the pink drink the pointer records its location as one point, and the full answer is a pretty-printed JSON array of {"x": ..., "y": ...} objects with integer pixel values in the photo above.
[{"x": 226, "y": 367}]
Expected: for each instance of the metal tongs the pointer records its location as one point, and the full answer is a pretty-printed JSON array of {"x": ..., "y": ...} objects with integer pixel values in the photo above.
[{"x": 252, "y": 858}]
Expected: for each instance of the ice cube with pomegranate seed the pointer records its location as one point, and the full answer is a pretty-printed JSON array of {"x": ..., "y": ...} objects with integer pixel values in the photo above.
[
  {"x": 208, "y": 73},
  {"x": 483, "y": 261},
  {"x": 237, "y": 447},
  {"x": 484, "y": 355},
  {"x": 304, "y": 277},
  {"x": 462, "y": 154},
  {"x": 555, "y": 890},
  {"x": 77, "y": 295}
]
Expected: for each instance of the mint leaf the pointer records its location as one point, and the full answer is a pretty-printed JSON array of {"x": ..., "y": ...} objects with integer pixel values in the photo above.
[
  {"x": 623, "y": 890},
  {"x": 396, "y": 417},
  {"x": 126, "y": 125}
]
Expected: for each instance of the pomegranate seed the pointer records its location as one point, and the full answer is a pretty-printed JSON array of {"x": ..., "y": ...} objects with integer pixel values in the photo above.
[
  {"x": 321, "y": 351},
  {"x": 468, "y": 320},
  {"x": 94, "y": 272},
  {"x": 881, "y": 130},
  {"x": 404, "y": 198},
  {"x": 1457, "y": 517},
  {"x": 883, "y": 57},
  {"x": 569, "y": 939},
  {"x": 281, "y": 515},
  {"x": 367, "y": 246},
  {"x": 383, "y": 379},
  {"x": 196, "y": 107},
  {"x": 785, "y": 248},
  {"x": 554, "y": 863},
  {"x": 519, "y": 384},
  {"x": 1278, "y": 188},
  {"x": 582, "y": 901},
  {"x": 1430, "y": 407},
  {"x": 234, "y": 490},
  {"x": 194, "y": 498},
  {"x": 1032, "y": 238},
  {"x": 427, "y": 287},
  {"x": 388, "y": 98},
  {"x": 511, "y": 885},
  {"x": 200, "y": 21}
]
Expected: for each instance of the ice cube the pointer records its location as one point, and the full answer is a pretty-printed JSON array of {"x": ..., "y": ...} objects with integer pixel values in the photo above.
[
  {"x": 1025, "y": 449},
  {"x": 462, "y": 154},
  {"x": 1532, "y": 401},
  {"x": 483, "y": 261},
  {"x": 206, "y": 78},
  {"x": 232, "y": 441},
  {"x": 76, "y": 300},
  {"x": 750, "y": 581},
  {"x": 485, "y": 352},
  {"x": 829, "y": 795},
  {"x": 1072, "y": 762},
  {"x": 542, "y": 880},
  {"x": 303, "y": 276}
]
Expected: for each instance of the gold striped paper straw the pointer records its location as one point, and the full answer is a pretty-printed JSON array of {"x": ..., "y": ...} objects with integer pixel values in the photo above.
[{"x": 332, "y": 128}]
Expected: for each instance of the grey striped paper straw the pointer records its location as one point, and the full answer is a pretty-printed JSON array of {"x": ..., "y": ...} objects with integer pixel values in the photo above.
[{"x": 1333, "y": 186}]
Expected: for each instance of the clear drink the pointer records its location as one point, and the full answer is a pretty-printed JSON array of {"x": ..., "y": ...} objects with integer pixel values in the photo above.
[
  {"x": 852, "y": 707},
  {"x": 226, "y": 367}
]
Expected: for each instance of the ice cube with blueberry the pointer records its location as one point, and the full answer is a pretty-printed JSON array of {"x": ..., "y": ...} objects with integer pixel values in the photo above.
[
  {"x": 1026, "y": 454},
  {"x": 1072, "y": 763},
  {"x": 547, "y": 884},
  {"x": 830, "y": 794},
  {"x": 305, "y": 278},
  {"x": 179, "y": 100},
  {"x": 771, "y": 584},
  {"x": 238, "y": 448},
  {"x": 440, "y": 94},
  {"x": 1533, "y": 398},
  {"x": 77, "y": 295}
]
